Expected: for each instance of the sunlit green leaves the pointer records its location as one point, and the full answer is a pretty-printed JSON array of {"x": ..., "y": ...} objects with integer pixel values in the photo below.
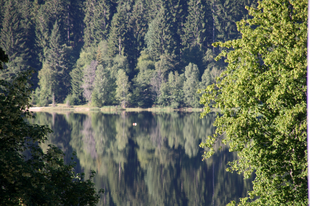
[{"x": 262, "y": 101}]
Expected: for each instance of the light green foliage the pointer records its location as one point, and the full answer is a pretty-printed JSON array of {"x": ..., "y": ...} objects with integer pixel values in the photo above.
[
  {"x": 142, "y": 93},
  {"x": 104, "y": 88},
  {"x": 86, "y": 56},
  {"x": 104, "y": 85},
  {"x": 191, "y": 85},
  {"x": 44, "y": 92},
  {"x": 89, "y": 80},
  {"x": 119, "y": 62},
  {"x": 122, "y": 89},
  {"x": 262, "y": 98},
  {"x": 171, "y": 92}
]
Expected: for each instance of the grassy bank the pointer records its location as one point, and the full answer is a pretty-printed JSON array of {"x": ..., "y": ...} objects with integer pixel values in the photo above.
[{"x": 108, "y": 109}]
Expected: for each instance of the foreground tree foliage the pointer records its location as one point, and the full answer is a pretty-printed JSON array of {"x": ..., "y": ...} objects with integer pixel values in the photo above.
[
  {"x": 28, "y": 176},
  {"x": 262, "y": 99}
]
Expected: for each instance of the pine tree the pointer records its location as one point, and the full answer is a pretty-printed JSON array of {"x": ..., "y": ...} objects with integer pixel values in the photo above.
[
  {"x": 119, "y": 35},
  {"x": 195, "y": 30},
  {"x": 13, "y": 38},
  {"x": 138, "y": 26},
  {"x": 55, "y": 58},
  {"x": 196, "y": 33},
  {"x": 97, "y": 21},
  {"x": 159, "y": 38}
]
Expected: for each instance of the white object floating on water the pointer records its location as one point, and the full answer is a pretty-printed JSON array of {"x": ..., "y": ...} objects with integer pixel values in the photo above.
[{"x": 134, "y": 124}]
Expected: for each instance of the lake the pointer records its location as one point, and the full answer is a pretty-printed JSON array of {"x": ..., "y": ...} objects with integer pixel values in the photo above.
[{"x": 155, "y": 162}]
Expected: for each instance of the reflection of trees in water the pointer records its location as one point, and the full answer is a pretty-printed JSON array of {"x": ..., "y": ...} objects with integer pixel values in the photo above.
[
  {"x": 158, "y": 162},
  {"x": 156, "y": 137},
  {"x": 88, "y": 137}
]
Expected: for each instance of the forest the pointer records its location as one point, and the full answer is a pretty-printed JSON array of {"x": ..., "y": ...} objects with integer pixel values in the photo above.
[{"x": 133, "y": 53}]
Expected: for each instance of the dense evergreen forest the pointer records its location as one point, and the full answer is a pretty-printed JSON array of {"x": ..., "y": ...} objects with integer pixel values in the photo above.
[{"x": 135, "y": 53}]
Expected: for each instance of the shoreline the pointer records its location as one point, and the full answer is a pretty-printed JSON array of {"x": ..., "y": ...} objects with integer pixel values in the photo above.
[{"x": 110, "y": 109}]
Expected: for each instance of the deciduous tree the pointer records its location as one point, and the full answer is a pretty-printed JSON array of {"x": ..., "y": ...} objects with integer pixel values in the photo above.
[{"x": 262, "y": 98}]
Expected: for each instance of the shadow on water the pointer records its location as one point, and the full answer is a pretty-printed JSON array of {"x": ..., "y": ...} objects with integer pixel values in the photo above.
[{"x": 156, "y": 162}]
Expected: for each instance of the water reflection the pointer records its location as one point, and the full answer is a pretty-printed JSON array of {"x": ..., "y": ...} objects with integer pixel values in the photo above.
[{"x": 157, "y": 162}]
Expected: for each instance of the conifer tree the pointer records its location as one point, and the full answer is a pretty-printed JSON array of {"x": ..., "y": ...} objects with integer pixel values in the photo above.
[
  {"x": 119, "y": 62},
  {"x": 13, "y": 39},
  {"x": 176, "y": 83},
  {"x": 55, "y": 58},
  {"x": 119, "y": 35},
  {"x": 196, "y": 33},
  {"x": 97, "y": 21},
  {"x": 160, "y": 38},
  {"x": 195, "y": 30},
  {"x": 42, "y": 33},
  {"x": 138, "y": 26}
]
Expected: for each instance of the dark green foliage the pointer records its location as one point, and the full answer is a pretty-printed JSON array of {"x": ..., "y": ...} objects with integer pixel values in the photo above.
[
  {"x": 56, "y": 74},
  {"x": 14, "y": 38},
  {"x": 28, "y": 176},
  {"x": 159, "y": 38},
  {"x": 4, "y": 58},
  {"x": 195, "y": 33},
  {"x": 173, "y": 33},
  {"x": 97, "y": 21}
]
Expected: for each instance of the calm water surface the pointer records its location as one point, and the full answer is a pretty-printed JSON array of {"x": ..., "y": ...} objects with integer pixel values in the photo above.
[{"x": 156, "y": 162}]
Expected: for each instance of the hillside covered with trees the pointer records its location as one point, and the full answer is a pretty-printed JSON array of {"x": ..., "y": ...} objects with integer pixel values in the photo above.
[{"x": 134, "y": 53}]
